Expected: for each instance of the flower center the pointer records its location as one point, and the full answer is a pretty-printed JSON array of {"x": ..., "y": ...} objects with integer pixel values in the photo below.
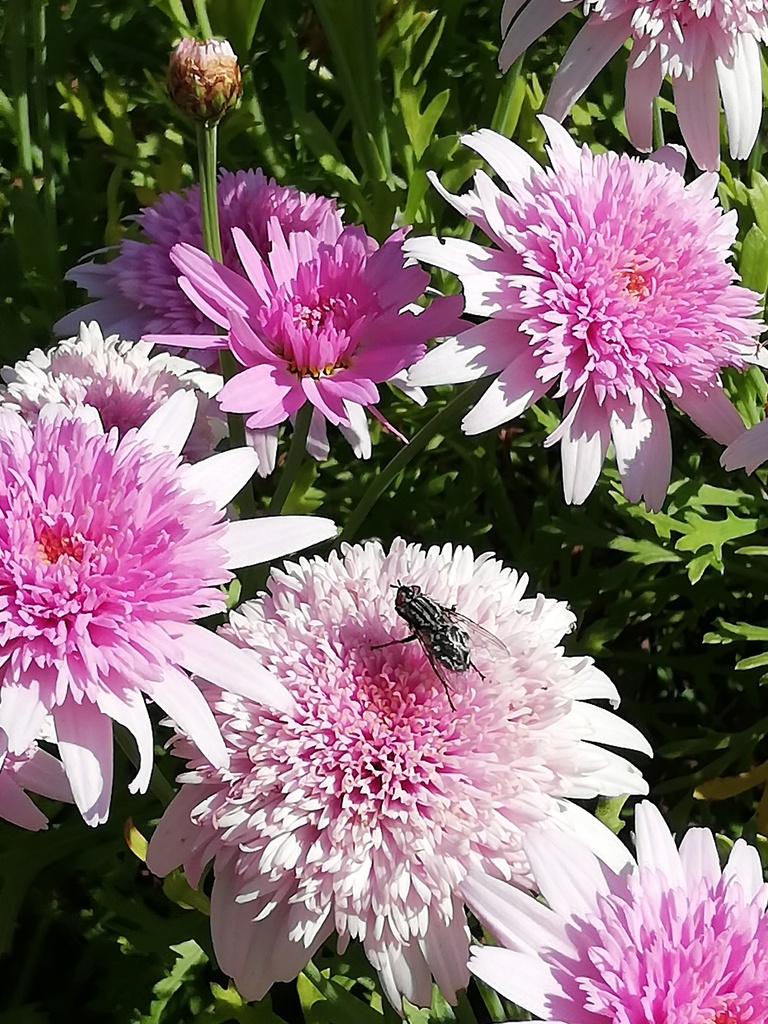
[
  {"x": 725, "y": 1017},
  {"x": 635, "y": 284},
  {"x": 315, "y": 316},
  {"x": 56, "y": 542}
]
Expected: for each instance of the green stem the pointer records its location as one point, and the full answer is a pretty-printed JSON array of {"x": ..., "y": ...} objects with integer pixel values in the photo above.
[
  {"x": 294, "y": 459},
  {"x": 658, "y": 127},
  {"x": 17, "y": 51},
  {"x": 203, "y": 21},
  {"x": 436, "y": 425},
  {"x": 209, "y": 206},
  {"x": 43, "y": 127}
]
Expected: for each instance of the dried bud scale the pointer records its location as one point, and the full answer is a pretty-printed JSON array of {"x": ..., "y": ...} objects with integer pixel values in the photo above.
[{"x": 204, "y": 78}]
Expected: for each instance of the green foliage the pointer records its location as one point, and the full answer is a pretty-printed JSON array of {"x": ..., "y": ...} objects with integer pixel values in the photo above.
[{"x": 360, "y": 99}]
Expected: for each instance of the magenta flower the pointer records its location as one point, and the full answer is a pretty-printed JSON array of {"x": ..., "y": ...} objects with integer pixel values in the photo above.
[
  {"x": 363, "y": 809},
  {"x": 36, "y": 771},
  {"x": 608, "y": 284},
  {"x": 120, "y": 379},
  {"x": 137, "y": 292},
  {"x": 702, "y": 45},
  {"x": 320, "y": 321},
  {"x": 109, "y": 549},
  {"x": 672, "y": 938}
]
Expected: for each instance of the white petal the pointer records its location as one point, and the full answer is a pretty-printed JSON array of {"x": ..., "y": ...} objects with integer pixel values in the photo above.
[
  {"x": 513, "y": 391},
  {"x": 129, "y": 709},
  {"x": 526, "y": 980},
  {"x": 655, "y": 845},
  {"x": 483, "y": 349},
  {"x": 512, "y": 164},
  {"x": 170, "y": 424},
  {"x": 513, "y": 917},
  {"x": 223, "y": 475},
  {"x": 741, "y": 88},
  {"x": 748, "y": 451},
  {"x": 236, "y": 669},
  {"x": 253, "y": 541},
  {"x": 84, "y": 736}
]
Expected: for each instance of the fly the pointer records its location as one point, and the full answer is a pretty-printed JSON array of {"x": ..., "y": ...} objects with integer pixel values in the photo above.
[{"x": 447, "y": 638}]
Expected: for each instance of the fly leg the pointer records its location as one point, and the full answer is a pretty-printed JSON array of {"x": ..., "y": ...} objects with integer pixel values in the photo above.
[{"x": 391, "y": 643}]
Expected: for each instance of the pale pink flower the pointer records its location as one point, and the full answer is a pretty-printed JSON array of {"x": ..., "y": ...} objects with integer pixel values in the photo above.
[
  {"x": 703, "y": 46},
  {"x": 109, "y": 549},
  {"x": 120, "y": 379},
  {"x": 363, "y": 809},
  {"x": 320, "y": 320},
  {"x": 34, "y": 770},
  {"x": 672, "y": 938},
  {"x": 608, "y": 284},
  {"x": 137, "y": 292}
]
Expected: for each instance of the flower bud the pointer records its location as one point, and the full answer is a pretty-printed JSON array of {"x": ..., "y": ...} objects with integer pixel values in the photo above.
[{"x": 204, "y": 78}]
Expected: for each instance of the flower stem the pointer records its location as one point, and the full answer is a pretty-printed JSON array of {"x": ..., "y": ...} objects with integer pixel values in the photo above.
[
  {"x": 658, "y": 127},
  {"x": 203, "y": 21},
  {"x": 294, "y": 459},
  {"x": 436, "y": 425}
]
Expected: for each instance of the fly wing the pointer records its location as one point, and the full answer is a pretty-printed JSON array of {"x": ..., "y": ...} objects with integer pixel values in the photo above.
[{"x": 482, "y": 641}]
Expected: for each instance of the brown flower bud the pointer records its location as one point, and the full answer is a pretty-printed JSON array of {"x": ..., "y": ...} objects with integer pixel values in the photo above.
[{"x": 204, "y": 78}]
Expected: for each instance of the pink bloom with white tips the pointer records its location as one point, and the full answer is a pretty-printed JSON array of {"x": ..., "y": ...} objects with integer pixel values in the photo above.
[
  {"x": 320, "y": 320},
  {"x": 363, "y": 809},
  {"x": 703, "y": 46},
  {"x": 120, "y": 379},
  {"x": 36, "y": 771},
  {"x": 109, "y": 549},
  {"x": 137, "y": 292},
  {"x": 672, "y": 937},
  {"x": 609, "y": 285}
]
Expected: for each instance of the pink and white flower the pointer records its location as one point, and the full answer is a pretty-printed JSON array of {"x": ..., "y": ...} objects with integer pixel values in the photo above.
[
  {"x": 109, "y": 549},
  {"x": 364, "y": 808},
  {"x": 34, "y": 770},
  {"x": 703, "y": 46},
  {"x": 137, "y": 292},
  {"x": 671, "y": 937},
  {"x": 120, "y": 379},
  {"x": 322, "y": 320},
  {"x": 608, "y": 284}
]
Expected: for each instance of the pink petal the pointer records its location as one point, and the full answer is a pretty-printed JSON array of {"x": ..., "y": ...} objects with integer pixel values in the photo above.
[
  {"x": 257, "y": 388},
  {"x": 258, "y": 272},
  {"x": 317, "y": 436},
  {"x": 446, "y": 948},
  {"x": 655, "y": 847},
  {"x": 16, "y": 806},
  {"x": 181, "y": 700},
  {"x": 643, "y": 83},
  {"x": 512, "y": 916},
  {"x": 531, "y": 23},
  {"x": 175, "y": 833},
  {"x": 223, "y": 288},
  {"x": 640, "y": 433},
  {"x": 712, "y": 411},
  {"x": 589, "y": 52},
  {"x": 171, "y": 423},
  {"x": 741, "y": 88},
  {"x": 511, "y": 393},
  {"x": 84, "y": 736},
  {"x": 201, "y": 341},
  {"x": 748, "y": 451},
  {"x": 220, "y": 477},
  {"x": 253, "y": 541},
  {"x": 698, "y": 113},
  {"x": 237, "y": 669},
  {"x": 330, "y": 405},
  {"x": 44, "y": 774},
  {"x": 282, "y": 259},
  {"x": 584, "y": 437},
  {"x": 673, "y": 157}
]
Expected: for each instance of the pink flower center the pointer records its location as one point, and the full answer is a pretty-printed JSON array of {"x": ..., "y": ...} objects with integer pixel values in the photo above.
[
  {"x": 726, "y": 1017},
  {"x": 56, "y": 542}
]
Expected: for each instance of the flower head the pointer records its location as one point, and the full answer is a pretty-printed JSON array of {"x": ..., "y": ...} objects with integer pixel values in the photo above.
[
  {"x": 204, "y": 78},
  {"x": 34, "y": 770},
  {"x": 119, "y": 379},
  {"x": 109, "y": 549},
  {"x": 320, "y": 320},
  {"x": 672, "y": 937},
  {"x": 702, "y": 45},
  {"x": 609, "y": 284},
  {"x": 138, "y": 293},
  {"x": 364, "y": 808}
]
